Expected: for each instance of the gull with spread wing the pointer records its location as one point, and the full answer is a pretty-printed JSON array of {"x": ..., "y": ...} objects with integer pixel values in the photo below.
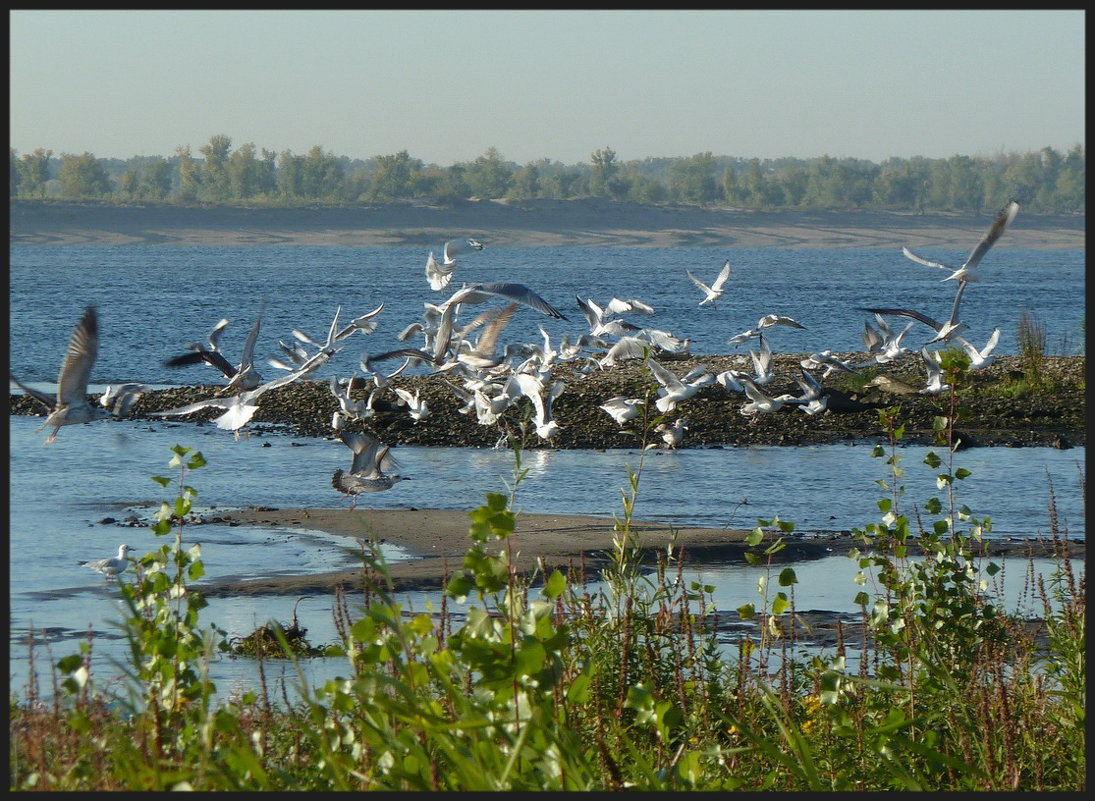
[
  {"x": 967, "y": 271},
  {"x": 70, "y": 405},
  {"x": 369, "y": 469},
  {"x": 715, "y": 291}
]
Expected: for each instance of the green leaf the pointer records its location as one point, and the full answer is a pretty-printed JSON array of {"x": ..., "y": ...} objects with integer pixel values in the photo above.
[
  {"x": 747, "y": 612},
  {"x": 932, "y": 460},
  {"x": 787, "y": 577},
  {"x": 780, "y": 603},
  {"x": 555, "y": 585}
]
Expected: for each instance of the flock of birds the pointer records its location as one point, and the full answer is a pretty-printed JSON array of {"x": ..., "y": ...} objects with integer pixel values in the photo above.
[{"x": 488, "y": 381}]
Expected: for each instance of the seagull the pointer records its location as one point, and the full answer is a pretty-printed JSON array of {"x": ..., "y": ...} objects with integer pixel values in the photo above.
[
  {"x": 674, "y": 390},
  {"x": 768, "y": 320},
  {"x": 979, "y": 359},
  {"x": 416, "y": 407},
  {"x": 759, "y": 402},
  {"x": 814, "y": 398},
  {"x": 113, "y": 566},
  {"x": 367, "y": 469},
  {"x": 239, "y": 409},
  {"x": 118, "y": 400},
  {"x": 242, "y": 376},
  {"x": 882, "y": 344},
  {"x": 762, "y": 362},
  {"x": 967, "y": 272},
  {"x": 944, "y": 331},
  {"x": 69, "y": 406},
  {"x": 479, "y": 293},
  {"x": 827, "y": 360},
  {"x": 714, "y": 292},
  {"x": 935, "y": 383},
  {"x": 439, "y": 273},
  {"x": 542, "y": 398},
  {"x": 618, "y": 306},
  {"x": 622, "y": 409},
  {"x": 672, "y": 434}
]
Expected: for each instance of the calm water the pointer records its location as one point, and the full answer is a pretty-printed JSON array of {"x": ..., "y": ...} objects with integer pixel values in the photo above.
[{"x": 154, "y": 300}]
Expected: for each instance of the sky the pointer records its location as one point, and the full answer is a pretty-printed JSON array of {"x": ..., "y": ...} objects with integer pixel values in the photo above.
[{"x": 448, "y": 85}]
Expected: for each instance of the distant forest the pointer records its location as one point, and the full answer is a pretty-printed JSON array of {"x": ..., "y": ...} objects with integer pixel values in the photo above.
[{"x": 1044, "y": 181}]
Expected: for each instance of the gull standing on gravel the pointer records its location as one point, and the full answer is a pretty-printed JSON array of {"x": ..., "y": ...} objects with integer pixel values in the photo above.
[
  {"x": 714, "y": 292},
  {"x": 439, "y": 273},
  {"x": 70, "y": 406},
  {"x": 113, "y": 566}
]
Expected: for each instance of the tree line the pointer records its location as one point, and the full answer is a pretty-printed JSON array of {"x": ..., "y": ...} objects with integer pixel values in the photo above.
[{"x": 1044, "y": 181}]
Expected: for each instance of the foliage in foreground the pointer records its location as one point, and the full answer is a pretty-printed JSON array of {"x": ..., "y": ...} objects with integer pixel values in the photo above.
[{"x": 546, "y": 685}]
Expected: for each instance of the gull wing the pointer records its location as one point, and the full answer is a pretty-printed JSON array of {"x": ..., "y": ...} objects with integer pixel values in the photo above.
[
  {"x": 83, "y": 347},
  {"x": 999, "y": 225}
]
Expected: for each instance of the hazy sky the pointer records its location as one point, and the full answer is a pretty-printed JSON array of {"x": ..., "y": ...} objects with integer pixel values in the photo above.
[{"x": 447, "y": 85}]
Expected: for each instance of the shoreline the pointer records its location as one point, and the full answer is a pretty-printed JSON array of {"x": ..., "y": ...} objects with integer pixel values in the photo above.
[
  {"x": 586, "y": 222},
  {"x": 580, "y": 545}
]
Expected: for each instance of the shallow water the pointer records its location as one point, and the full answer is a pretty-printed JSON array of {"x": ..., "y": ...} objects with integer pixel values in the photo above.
[{"x": 60, "y": 492}]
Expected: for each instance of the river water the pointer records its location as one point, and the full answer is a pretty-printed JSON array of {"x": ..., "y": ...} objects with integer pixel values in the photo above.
[{"x": 152, "y": 301}]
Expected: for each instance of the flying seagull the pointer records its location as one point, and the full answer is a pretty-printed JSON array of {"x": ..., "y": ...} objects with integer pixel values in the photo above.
[
  {"x": 367, "y": 469},
  {"x": 967, "y": 272},
  {"x": 70, "y": 406},
  {"x": 519, "y": 293},
  {"x": 714, "y": 292},
  {"x": 439, "y": 273}
]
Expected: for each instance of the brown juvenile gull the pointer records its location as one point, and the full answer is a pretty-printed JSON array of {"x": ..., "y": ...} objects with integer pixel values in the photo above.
[{"x": 367, "y": 469}]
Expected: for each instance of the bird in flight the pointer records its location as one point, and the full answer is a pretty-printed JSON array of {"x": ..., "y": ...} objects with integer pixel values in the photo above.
[
  {"x": 439, "y": 273},
  {"x": 967, "y": 271},
  {"x": 714, "y": 292},
  {"x": 70, "y": 405},
  {"x": 368, "y": 467}
]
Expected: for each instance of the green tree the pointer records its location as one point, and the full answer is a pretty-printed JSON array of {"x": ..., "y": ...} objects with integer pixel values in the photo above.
[
  {"x": 190, "y": 175},
  {"x": 129, "y": 183},
  {"x": 155, "y": 179},
  {"x": 216, "y": 185},
  {"x": 290, "y": 178},
  {"x": 323, "y": 176},
  {"x": 392, "y": 180},
  {"x": 692, "y": 180},
  {"x": 489, "y": 176},
  {"x": 604, "y": 169},
  {"x": 83, "y": 176},
  {"x": 526, "y": 183},
  {"x": 1023, "y": 178},
  {"x": 243, "y": 171},
  {"x": 13, "y": 173},
  {"x": 1071, "y": 181},
  {"x": 34, "y": 173}
]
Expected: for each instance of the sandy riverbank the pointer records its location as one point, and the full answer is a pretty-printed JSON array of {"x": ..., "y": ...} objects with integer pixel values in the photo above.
[
  {"x": 438, "y": 540},
  {"x": 539, "y": 223}
]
